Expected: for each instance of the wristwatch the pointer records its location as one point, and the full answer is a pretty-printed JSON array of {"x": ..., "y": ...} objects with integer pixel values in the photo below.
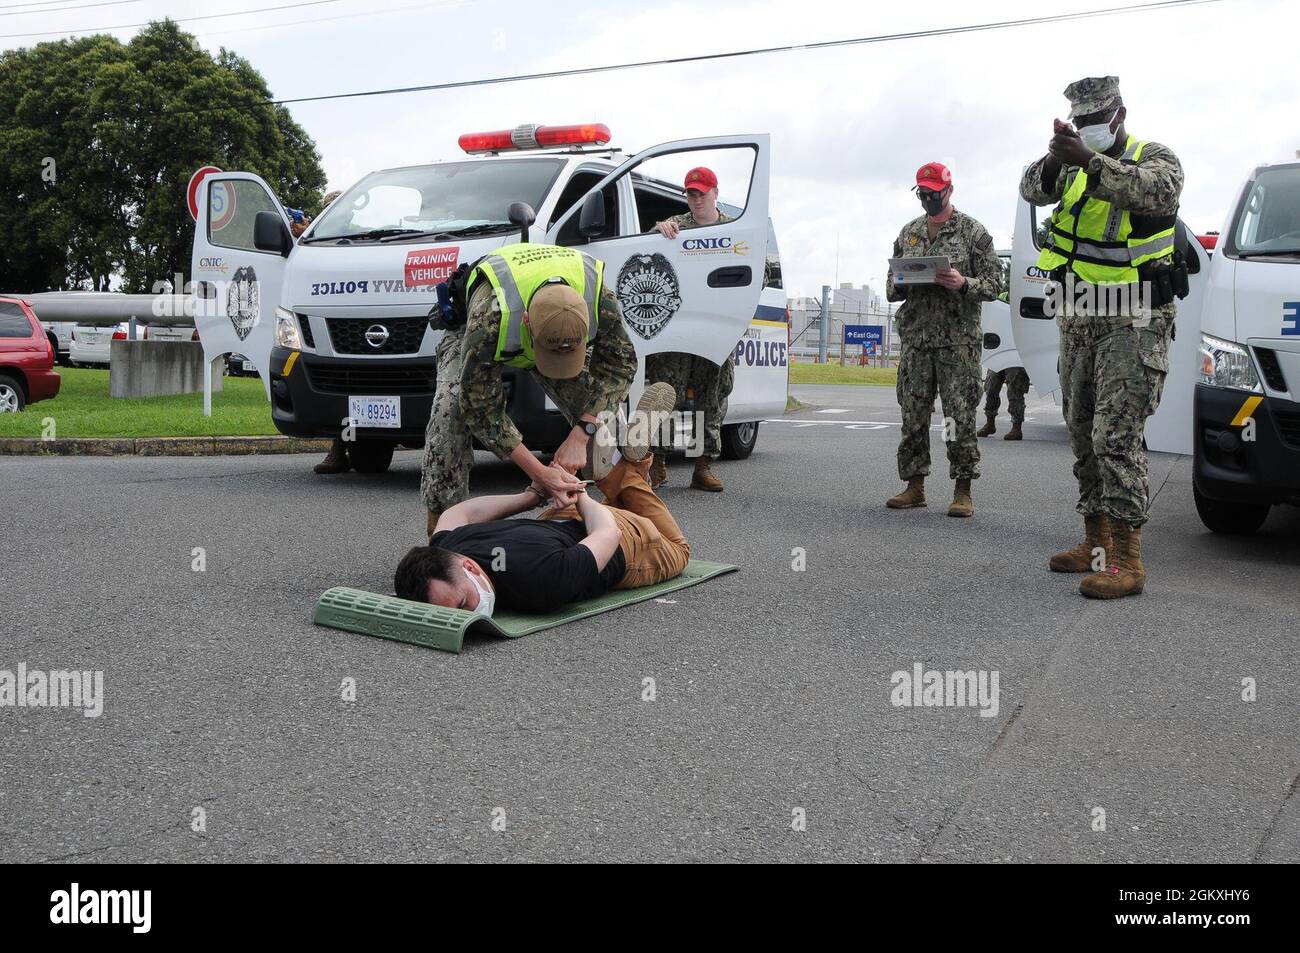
[
  {"x": 588, "y": 428},
  {"x": 1094, "y": 166}
]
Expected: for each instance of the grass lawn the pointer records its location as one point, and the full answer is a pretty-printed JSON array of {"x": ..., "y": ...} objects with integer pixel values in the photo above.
[
  {"x": 834, "y": 374},
  {"x": 84, "y": 409}
]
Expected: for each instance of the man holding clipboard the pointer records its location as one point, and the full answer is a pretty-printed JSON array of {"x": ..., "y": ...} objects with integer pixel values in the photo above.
[{"x": 944, "y": 265}]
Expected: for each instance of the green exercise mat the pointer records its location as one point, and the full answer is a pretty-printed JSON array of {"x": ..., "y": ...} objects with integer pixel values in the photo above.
[{"x": 435, "y": 627}]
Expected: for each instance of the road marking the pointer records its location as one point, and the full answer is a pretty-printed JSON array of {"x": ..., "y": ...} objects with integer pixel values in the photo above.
[
  {"x": 833, "y": 410},
  {"x": 866, "y": 426},
  {"x": 828, "y": 423}
]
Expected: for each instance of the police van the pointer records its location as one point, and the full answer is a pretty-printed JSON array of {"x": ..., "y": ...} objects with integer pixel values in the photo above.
[
  {"x": 1231, "y": 398},
  {"x": 1246, "y": 408},
  {"x": 337, "y": 322}
]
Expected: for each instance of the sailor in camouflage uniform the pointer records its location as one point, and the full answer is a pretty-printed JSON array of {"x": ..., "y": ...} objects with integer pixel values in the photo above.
[
  {"x": 1113, "y": 230},
  {"x": 585, "y": 376},
  {"x": 1017, "y": 381},
  {"x": 710, "y": 383},
  {"x": 939, "y": 328}
]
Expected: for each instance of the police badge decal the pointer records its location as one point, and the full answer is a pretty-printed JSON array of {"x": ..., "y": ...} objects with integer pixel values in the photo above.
[
  {"x": 648, "y": 293},
  {"x": 242, "y": 303}
]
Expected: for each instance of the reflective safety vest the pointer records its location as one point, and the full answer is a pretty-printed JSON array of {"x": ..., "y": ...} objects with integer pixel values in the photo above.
[
  {"x": 515, "y": 272},
  {"x": 1100, "y": 243}
]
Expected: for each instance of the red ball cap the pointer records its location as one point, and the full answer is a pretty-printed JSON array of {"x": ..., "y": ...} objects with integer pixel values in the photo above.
[
  {"x": 933, "y": 176},
  {"x": 701, "y": 179}
]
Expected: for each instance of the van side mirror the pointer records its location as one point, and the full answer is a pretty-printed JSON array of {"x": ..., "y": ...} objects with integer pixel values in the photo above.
[
  {"x": 521, "y": 214},
  {"x": 591, "y": 220},
  {"x": 270, "y": 234}
]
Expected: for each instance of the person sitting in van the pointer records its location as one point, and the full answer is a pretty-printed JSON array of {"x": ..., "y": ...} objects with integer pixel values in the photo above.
[
  {"x": 478, "y": 558},
  {"x": 711, "y": 384}
]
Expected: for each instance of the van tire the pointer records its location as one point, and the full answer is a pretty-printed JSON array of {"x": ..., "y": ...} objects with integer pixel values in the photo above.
[
  {"x": 12, "y": 397},
  {"x": 738, "y": 440},
  {"x": 1232, "y": 519},
  {"x": 370, "y": 456}
]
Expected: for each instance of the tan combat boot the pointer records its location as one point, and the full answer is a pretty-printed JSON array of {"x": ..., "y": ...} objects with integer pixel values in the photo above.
[
  {"x": 1096, "y": 535},
  {"x": 658, "y": 471},
  {"x": 1124, "y": 575},
  {"x": 336, "y": 461},
  {"x": 432, "y": 521},
  {"x": 962, "y": 504},
  {"x": 1015, "y": 432},
  {"x": 910, "y": 498},
  {"x": 989, "y": 429},
  {"x": 703, "y": 478}
]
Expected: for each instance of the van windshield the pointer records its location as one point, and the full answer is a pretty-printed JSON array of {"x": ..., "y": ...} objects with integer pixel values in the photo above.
[
  {"x": 448, "y": 197},
  {"x": 1267, "y": 221}
]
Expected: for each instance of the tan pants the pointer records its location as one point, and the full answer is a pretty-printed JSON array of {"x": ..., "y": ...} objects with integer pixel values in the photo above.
[{"x": 654, "y": 547}]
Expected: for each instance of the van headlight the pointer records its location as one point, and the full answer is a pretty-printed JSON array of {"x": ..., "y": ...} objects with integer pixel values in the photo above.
[
  {"x": 1227, "y": 364},
  {"x": 286, "y": 330}
]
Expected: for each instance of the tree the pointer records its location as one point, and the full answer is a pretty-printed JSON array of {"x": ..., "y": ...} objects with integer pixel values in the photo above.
[{"x": 126, "y": 126}]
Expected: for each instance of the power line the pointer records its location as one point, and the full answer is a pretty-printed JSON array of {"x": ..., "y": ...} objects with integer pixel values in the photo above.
[
  {"x": 36, "y": 3},
  {"x": 100, "y": 3},
  {"x": 341, "y": 16},
  {"x": 826, "y": 44},
  {"x": 131, "y": 26}
]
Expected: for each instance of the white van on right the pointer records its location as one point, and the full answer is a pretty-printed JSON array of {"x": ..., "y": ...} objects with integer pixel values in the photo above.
[{"x": 1247, "y": 399}]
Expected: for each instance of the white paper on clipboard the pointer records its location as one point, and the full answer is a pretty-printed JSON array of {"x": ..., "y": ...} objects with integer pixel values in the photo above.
[{"x": 917, "y": 271}]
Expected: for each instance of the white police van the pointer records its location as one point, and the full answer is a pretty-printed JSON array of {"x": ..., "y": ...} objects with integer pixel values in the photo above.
[
  {"x": 1246, "y": 409},
  {"x": 337, "y": 322}
]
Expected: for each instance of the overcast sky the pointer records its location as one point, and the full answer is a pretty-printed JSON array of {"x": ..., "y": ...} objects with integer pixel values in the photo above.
[{"x": 849, "y": 126}]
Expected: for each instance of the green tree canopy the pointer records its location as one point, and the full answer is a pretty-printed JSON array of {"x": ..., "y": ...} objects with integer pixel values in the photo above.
[{"x": 98, "y": 140}]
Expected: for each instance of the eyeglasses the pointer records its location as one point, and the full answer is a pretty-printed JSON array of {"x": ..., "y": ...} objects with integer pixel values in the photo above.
[{"x": 1097, "y": 118}]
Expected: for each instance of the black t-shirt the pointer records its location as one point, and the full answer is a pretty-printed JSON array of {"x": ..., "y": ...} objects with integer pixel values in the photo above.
[{"x": 543, "y": 566}]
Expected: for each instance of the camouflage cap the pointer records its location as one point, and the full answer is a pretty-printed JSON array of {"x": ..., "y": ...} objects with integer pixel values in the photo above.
[{"x": 1092, "y": 94}]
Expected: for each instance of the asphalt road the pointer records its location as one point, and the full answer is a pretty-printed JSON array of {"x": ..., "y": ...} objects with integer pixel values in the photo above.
[{"x": 772, "y": 687}]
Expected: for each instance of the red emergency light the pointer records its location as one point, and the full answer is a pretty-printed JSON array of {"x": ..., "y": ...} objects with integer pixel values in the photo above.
[{"x": 535, "y": 137}]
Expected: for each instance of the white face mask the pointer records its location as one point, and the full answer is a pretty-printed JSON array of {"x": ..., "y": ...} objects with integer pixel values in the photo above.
[
  {"x": 487, "y": 598},
  {"x": 1099, "y": 137}
]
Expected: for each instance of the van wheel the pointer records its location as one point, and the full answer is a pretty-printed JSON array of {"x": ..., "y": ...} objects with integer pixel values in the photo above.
[
  {"x": 738, "y": 440},
  {"x": 1233, "y": 519},
  {"x": 370, "y": 456},
  {"x": 12, "y": 398}
]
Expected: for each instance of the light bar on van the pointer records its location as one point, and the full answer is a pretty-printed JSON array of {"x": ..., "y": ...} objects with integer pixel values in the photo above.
[{"x": 535, "y": 137}]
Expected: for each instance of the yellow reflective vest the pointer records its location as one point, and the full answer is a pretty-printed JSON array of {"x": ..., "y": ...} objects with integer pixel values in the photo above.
[
  {"x": 515, "y": 272},
  {"x": 1099, "y": 242}
]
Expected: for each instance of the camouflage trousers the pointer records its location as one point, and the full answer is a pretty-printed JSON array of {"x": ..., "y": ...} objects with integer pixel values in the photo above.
[
  {"x": 1111, "y": 380},
  {"x": 448, "y": 443},
  {"x": 1017, "y": 381},
  {"x": 953, "y": 374},
  {"x": 712, "y": 385}
]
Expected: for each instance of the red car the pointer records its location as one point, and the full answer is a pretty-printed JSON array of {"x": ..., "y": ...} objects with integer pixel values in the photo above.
[{"x": 26, "y": 358}]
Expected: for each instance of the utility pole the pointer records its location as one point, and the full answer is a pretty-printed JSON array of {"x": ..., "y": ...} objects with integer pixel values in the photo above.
[{"x": 825, "y": 324}]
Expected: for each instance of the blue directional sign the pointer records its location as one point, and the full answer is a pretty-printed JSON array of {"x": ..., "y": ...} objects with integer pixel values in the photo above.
[{"x": 864, "y": 334}]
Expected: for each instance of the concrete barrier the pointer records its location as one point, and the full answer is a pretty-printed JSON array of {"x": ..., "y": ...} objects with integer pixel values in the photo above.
[{"x": 155, "y": 368}]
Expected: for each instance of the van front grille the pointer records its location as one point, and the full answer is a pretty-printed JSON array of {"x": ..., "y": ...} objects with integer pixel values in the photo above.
[
  {"x": 348, "y": 335},
  {"x": 1270, "y": 368},
  {"x": 339, "y": 379},
  {"x": 1288, "y": 425}
]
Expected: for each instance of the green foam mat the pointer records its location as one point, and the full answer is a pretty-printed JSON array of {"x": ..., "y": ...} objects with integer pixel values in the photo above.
[{"x": 435, "y": 627}]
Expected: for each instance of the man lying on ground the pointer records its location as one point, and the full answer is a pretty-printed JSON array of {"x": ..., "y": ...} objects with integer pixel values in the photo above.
[{"x": 479, "y": 558}]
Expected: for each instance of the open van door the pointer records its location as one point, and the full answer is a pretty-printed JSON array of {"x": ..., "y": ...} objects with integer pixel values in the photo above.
[
  {"x": 1169, "y": 429},
  {"x": 696, "y": 293},
  {"x": 1036, "y": 335},
  {"x": 236, "y": 284}
]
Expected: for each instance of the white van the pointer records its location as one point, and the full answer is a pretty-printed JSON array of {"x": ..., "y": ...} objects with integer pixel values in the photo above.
[
  {"x": 337, "y": 322},
  {"x": 1246, "y": 421}
]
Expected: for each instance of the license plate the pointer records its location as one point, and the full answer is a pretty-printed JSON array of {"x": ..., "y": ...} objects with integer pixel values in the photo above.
[
  {"x": 250, "y": 366},
  {"x": 376, "y": 411},
  {"x": 90, "y": 338}
]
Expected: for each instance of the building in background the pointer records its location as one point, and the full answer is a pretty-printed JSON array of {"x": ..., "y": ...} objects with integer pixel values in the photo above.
[{"x": 848, "y": 305}]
